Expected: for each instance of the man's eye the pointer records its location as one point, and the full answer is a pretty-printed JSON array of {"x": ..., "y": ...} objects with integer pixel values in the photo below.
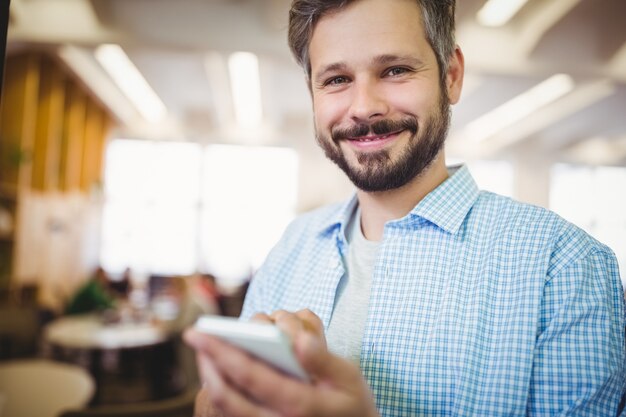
[
  {"x": 336, "y": 81},
  {"x": 397, "y": 71}
]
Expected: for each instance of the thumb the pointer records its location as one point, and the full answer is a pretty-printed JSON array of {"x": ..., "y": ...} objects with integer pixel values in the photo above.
[{"x": 319, "y": 362}]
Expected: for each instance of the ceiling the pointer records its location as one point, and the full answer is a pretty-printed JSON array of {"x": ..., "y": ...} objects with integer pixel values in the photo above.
[{"x": 181, "y": 48}]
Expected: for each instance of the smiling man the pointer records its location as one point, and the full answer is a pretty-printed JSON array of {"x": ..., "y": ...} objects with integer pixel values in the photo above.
[{"x": 421, "y": 295}]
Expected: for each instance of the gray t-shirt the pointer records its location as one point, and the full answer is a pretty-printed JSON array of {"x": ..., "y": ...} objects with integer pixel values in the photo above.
[{"x": 347, "y": 324}]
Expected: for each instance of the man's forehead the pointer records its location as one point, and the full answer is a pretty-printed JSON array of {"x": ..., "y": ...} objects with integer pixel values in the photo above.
[
  {"x": 362, "y": 6},
  {"x": 370, "y": 17},
  {"x": 369, "y": 31}
]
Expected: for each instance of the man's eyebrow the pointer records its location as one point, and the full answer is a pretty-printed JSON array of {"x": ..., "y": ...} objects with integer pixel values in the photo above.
[
  {"x": 394, "y": 59},
  {"x": 337, "y": 66}
]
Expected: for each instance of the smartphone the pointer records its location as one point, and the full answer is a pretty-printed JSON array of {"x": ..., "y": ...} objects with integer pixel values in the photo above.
[{"x": 264, "y": 341}]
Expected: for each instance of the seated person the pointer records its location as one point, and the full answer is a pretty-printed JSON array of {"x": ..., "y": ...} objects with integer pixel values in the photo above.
[{"x": 94, "y": 295}]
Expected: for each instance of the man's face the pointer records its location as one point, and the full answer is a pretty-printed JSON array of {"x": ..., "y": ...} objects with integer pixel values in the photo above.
[{"x": 380, "y": 114}]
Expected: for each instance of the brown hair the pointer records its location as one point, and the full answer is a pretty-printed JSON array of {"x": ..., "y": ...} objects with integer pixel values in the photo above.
[{"x": 437, "y": 16}]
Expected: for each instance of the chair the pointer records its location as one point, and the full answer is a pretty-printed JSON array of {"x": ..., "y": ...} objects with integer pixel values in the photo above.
[
  {"x": 42, "y": 388},
  {"x": 180, "y": 406},
  {"x": 19, "y": 331}
]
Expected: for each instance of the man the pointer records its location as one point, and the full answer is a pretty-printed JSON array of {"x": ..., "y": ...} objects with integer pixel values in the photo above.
[{"x": 451, "y": 301}]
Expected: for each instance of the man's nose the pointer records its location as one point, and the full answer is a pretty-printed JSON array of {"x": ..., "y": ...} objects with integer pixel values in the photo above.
[{"x": 368, "y": 101}]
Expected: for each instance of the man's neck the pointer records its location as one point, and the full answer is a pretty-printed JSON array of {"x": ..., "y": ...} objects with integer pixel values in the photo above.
[{"x": 377, "y": 208}]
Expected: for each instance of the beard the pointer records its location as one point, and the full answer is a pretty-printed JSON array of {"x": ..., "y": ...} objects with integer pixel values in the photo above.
[{"x": 377, "y": 171}]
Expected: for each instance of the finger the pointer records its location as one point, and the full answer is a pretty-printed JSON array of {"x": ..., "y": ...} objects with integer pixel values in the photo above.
[
  {"x": 323, "y": 365},
  {"x": 259, "y": 381},
  {"x": 221, "y": 396},
  {"x": 212, "y": 386},
  {"x": 311, "y": 322},
  {"x": 203, "y": 406},
  {"x": 262, "y": 317},
  {"x": 288, "y": 323},
  {"x": 198, "y": 342},
  {"x": 196, "y": 339},
  {"x": 206, "y": 368},
  {"x": 341, "y": 387}
]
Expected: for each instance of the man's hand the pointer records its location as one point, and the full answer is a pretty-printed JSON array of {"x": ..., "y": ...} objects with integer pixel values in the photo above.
[{"x": 237, "y": 385}]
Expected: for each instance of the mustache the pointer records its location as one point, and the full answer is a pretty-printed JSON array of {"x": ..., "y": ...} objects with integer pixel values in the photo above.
[{"x": 380, "y": 127}]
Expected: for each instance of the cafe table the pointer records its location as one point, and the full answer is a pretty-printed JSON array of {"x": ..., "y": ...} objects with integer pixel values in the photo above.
[
  {"x": 91, "y": 332},
  {"x": 131, "y": 361},
  {"x": 42, "y": 388}
]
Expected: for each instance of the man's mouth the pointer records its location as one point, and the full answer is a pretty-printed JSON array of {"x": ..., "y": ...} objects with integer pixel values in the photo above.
[{"x": 372, "y": 138}]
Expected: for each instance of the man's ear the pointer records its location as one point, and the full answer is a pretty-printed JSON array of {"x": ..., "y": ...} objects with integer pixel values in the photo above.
[{"x": 454, "y": 77}]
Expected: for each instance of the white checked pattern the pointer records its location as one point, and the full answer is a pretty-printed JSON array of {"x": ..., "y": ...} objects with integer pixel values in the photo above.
[{"x": 479, "y": 306}]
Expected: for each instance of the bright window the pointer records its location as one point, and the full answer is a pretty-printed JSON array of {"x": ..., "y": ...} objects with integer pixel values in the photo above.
[
  {"x": 250, "y": 195},
  {"x": 177, "y": 208}
]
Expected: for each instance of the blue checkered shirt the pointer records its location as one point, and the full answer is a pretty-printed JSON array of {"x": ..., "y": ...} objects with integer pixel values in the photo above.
[{"x": 479, "y": 306}]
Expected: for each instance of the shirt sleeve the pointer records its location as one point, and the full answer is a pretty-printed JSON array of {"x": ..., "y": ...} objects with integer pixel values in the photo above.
[
  {"x": 254, "y": 300},
  {"x": 579, "y": 365}
]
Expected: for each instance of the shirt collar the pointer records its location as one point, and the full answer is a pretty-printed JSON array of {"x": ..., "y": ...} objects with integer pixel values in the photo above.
[
  {"x": 341, "y": 217},
  {"x": 446, "y": 206}
]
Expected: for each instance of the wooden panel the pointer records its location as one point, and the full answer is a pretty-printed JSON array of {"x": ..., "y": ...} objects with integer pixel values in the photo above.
[
  {"x": 17, "y": 121},
  {"x": 46, "y": 155},
  {"x": 99, "y": 162},
  {"x": 52, "y": 137},
  {"x": 71, "y": 160},
  {"x": 92, "y": 152}
]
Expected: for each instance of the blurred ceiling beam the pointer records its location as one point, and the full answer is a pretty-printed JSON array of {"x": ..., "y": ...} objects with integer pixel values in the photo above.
[
  {"x": 216, "y": 68},
  {"x": 616, "y": 68},
  {"x": 496, "y": 13},
  {"x": 478, "y": 42},
  {"x": 544, "y": 16},
  {"x": 583, "y": 96},
  {"x": 59, "y": 21},
  {"x": 131, "y": 82},
  {"x": 593, "y": 29},
  {"x": 82, "y": 63}
]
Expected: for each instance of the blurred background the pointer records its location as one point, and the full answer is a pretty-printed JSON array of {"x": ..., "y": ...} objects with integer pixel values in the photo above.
[{"x": 172, "y": 140}]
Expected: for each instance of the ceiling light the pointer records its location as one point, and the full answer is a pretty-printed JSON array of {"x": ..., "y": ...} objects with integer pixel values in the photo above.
[
  {"x": 499, "y": 12},
  {"x": 519, "y": 107},
  {"x": 131, "y": 82},
  {"x": 246, "y": 88},
  {"x": 83, "y": 64},
  {"x": 216, "y": 68}
]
